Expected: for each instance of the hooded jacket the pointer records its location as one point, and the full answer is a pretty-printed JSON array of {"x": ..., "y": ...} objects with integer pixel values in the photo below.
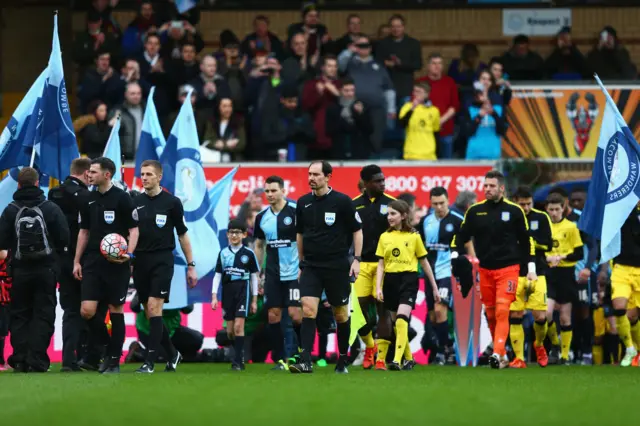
[{"x": 57, "y": 228}]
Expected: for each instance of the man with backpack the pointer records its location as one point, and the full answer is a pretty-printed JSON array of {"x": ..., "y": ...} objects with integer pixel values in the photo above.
[{"x": 34, "y": 230}]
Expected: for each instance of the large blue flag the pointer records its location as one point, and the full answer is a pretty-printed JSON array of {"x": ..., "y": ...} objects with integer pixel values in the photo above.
[
  {"x": 217, "y": 219},
  {"x": 152, "y": 140},
  {"x": 614, "y": 190},
  {"x": 13, "y": 151},
  {"x": 185, "y": 5},
  {"x": 112, "y": 149},
  {"x": 8, "y": 186},
  {"x": 54, "y": 138}
]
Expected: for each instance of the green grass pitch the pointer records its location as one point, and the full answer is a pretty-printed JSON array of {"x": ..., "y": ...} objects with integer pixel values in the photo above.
[{"x": 211, "y": 394}]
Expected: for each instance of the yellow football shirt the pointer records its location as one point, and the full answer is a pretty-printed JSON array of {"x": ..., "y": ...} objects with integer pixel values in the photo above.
[
  {"x": 420, "y": 140},
  {"x": 400, "y": 251},
  {"x": 566, "y": 238}
]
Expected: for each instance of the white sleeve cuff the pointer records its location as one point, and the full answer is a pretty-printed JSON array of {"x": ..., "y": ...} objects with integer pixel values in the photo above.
[{"x": 532, "y": 267}]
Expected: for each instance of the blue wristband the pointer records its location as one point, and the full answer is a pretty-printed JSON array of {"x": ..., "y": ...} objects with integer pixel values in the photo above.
[{"x": 131, "y": 256}]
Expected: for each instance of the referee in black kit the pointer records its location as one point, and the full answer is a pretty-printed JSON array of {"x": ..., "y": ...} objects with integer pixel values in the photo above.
[
  {"x": 71, "y": 195},
  {"x": 159, "y": 213},
  {"x": 109, "y": 210},
  {"x": 326, "y": 225}
]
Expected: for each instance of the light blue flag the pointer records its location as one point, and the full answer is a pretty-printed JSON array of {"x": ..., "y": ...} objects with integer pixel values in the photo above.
[
  {"x": 218, "y": 220},
  {"x": 112, "y": 150},
  {"x": 614, "y": 190},
  {"x": 185, "y": 5},
  {"x": 152, "y": 140},
  {"x": 8, "y": 186},
  {"x": 12, "y": 150},
  {"x": 54, "y": 138}
]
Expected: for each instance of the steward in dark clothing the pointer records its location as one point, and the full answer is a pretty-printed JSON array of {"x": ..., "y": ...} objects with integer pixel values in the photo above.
[{"x": 43, "y": 234}]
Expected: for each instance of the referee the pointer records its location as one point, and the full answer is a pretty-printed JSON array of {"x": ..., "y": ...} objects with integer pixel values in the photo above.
[
  {"x": 159, "y": 213},
  {"x": 109, "y": 210},
  {"x": 326, "y": 225},
  {"x": 70, "y": 196}
]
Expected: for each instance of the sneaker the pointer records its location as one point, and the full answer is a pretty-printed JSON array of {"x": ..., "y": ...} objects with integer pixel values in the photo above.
[
  {"x": 440, "y": 359},
  {"x": 295, "y": 359},
  {"x": 380, "y": 365},
  {"x": 67, "y": 369},
  {"x": 498, "y": 362},
  {"x": 541, "y": 355},
  {"x": 301, "y": 367},
  {"x": 518, "y": 363},
  {"x": 629, "y": 355},
  {"x": 322, "y": 363},
  {"x": 554, "y": 357},
  {"x": 408, "y": 365},
  {"x": 395, "y": 366},
  {"x": 359, "y": 360},
  {"x": 112, "y": 370},
  {"x": 88, "y": 366},
  {"x": 173, "y": 364},
  {"x": 4, "y": 367},
  {"x": 146, "y": 368},
  {"x": 341, "y": 365},
  {"x": 587, "y": 359},
  {"x": 564, "y": 361},
  {"x": 104, "y": 365},
  {"x": 280, "y": 366},
  {"x": 369, "y": 354},
  {"x": 237, "y": 367},
  {"x": 634, "y": 363}
]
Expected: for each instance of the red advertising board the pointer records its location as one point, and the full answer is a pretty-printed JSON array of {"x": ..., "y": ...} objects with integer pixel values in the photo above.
[{"x": 416, "y": 178}]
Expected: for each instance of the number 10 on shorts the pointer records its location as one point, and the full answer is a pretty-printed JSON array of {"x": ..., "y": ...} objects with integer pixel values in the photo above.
[{"x": 294, "y": 294}]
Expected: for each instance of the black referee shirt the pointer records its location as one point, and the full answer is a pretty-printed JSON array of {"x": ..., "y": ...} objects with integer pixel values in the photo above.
[
  {"x": 373, "y": 213},
  {"x": 157, "y": 218},
  {"x": 71, "y": 196},
  {"x": 327, "y": 224},
  {"x": 111, "y": 212}
]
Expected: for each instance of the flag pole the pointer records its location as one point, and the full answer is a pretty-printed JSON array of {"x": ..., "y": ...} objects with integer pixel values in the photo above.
[{"x": 33, "y": 156}]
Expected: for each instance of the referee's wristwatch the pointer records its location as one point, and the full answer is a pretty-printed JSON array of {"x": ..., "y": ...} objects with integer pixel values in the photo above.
[
  {"x": 358, "y": 258},
  {"x": 192, "y": 263}
]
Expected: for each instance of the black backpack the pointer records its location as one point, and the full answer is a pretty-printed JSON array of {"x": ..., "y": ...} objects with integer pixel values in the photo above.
[{"x": 32, "y": 236}]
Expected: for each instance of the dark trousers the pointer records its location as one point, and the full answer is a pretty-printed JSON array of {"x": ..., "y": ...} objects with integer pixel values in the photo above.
[{"x": 33, "y": 314}]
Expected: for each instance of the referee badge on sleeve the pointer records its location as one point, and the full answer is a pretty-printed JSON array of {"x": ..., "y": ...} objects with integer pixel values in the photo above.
[
  {"x": 329, "y": 218},
  {"x": 161, "y": 220}
]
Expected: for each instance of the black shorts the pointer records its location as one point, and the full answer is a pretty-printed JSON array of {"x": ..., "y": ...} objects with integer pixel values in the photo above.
[
  {"x": 588, "y": 293},
  {"x": 103, "y": 281},
  {"x": 335, "y": 283},
  {"x": 444, "y": 290},
  {"x": 400, "y": 288},
  {"x": 281, "y": 294},
  {"x": 4, "y": 322},
  {"x": 561, "y": 285},
  {"x": 235, "y": 300},
  {"x": 152, "y": 274}
]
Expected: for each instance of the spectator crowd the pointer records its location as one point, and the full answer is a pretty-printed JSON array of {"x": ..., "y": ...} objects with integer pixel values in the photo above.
[{"x": 312, "y": 95}]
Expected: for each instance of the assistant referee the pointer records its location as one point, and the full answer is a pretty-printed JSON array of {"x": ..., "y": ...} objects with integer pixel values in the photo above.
[
  {"x": 326, "y": 225},
  {"x": 159, "y": 213}
]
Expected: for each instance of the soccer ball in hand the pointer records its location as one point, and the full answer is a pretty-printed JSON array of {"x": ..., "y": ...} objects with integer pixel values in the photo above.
[{"x": 113, "y": 245}]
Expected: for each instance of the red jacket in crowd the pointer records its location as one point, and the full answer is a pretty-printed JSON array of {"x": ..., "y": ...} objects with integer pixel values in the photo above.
[
  {"x": 444, "y": 95},
  {"x": 316, "y": 105}
]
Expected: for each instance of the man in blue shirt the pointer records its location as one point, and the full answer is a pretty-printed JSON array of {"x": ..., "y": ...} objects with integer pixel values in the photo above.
[
  {"x": 275, "y": 229},
  {"x": 437, "y": 230}
]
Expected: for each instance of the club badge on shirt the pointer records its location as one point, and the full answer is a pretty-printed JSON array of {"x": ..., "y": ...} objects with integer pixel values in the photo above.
[
  {"x": 329, "y": 218},
  {"x": 534, "y": 225},
  {"x": 506, "y": 216},
  {"x": 109, "y": 216},
  {"x": 161, "y": 220},
  {"x": 384, "y": 208}
]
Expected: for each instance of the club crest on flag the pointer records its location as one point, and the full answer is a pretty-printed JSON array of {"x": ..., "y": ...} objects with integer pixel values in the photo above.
[
  {"x": 109, "y": 216},
  {"x": 161, "y": 220},
  {"x": 329, "y": 218},
  {"x": 621, "y": 167}
]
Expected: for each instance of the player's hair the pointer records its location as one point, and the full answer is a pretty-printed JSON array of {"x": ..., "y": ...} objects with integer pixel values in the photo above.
[
  {"x": 351, "y": 16},
  {"x": 578, "y": 189},
  {"x": 152, "y": 163},
  {"x": 28, "y": 176},
  {"x": 262, "y": 18},
  {"x": 106, "y": 164},
  {"x": 434, "y": 55},
  {"x": 79, "y": 166},
  {"x": 368, "y": 172},
  {"x": 494, "y": 174},
  {"x": 408, "y": 198},
  {"x": 327, "y": 169},
  {"x": 555, "y": 199},
  {"x": 329, "y": 57},
  {"x": 522, "y": 192},
  {"x": 151, "y": 34},
  {"x": 275, "y": 179},
  {"x": 424, "y": 86},
  {"x": 560, "y": 191},
  {"x": 438, "y": 191},
  {"x": 238, "y": 224},
  {"x": 347, "y": 81},
  {"x": 403, "y": 208},
  {"x": 396, "y": 17}
]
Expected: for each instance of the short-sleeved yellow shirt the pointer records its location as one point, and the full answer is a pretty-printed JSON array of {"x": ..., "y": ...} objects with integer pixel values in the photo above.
[
  {"x": 400, "y": 251},
  {"x": 566, "y": 238}
]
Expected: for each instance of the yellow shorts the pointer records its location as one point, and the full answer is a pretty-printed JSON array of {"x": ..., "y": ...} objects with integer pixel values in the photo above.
[
  {"x": 625, "y": 283},
  {"x": 536, "y": 301},
  {"x": 599, "y": 322},
  {"x": 366, "y": 282}
]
